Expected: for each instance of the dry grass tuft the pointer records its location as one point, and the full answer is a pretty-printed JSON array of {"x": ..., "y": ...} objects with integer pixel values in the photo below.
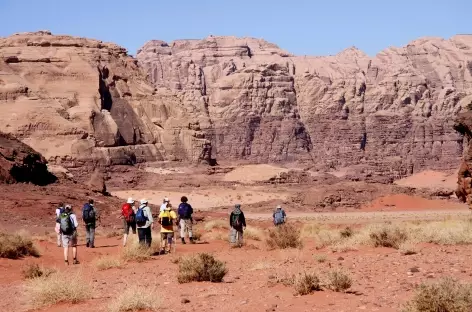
[
  {"x": 199, "y": 268},
  {"x": 320, "y": 258},
  {"x": 107, "y": 262},
  {"x": 14, "y": 246},
  {"x": 216, "y": 224},
  {"x": 135, "y": 299},
  {"x": 339, "y": 281},
  {"x": 447, "y": 295},
  {"x": 407, "y": 249},
  {"x": 136, "y": 252},
  {"x": 387, "y": 235},
  {"x": 34, "y": 271},
  {"x": 306, "y": 283},
  {"x": 58, "y": 287},
  {"x": 284, "y": 236},
  {"x": 253, "y": 233}
]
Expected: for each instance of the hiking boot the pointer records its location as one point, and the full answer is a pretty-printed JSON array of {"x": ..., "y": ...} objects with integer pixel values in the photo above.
[
  {"x": 76, "y": 261},
  {"x": 183, "y": 241},
  {"x": 92, "y": 246},
  {"x": 87, "y": 244},
  {"x": 192, "y": 241},
  {"x": 66, "y": 262},
  {"x": 162, "y": 252}
]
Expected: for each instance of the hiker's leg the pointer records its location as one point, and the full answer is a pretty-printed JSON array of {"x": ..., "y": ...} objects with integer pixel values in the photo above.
[
  {"x": 240, "y": 237},
  {"x": 126, "y": 227},
  {"x": 87, "y": 234},
  {"x": 141, "y": 236},
  {"x": 125, "y": 238},
  {"x": 147, "y": 236},
  {"x": 74, "y": 252},
  {"x": 66, "y": 253},
  {"x": 188, "y": 225},
  {"x": 59, "y": 238},
  {"x": 170, "y": 238},
  {"x": 232, "y": 236},
  {"x": 182, "y": 229},
  {"x": 163, "y": 241},
  {"x": 92, "y": 235}
]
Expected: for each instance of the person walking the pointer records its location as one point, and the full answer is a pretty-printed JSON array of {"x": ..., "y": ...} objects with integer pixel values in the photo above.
[
  {"x": 59, "y": 210},
  {"x": 128, "y": 213},
  {"x": 237, "y": 222},
  {"x": 89, "y": 216},
  {"x": 185, "y": 220},
  {"x": 166, "y": 220},
  {"x": 144, "y": 223},
  {"x": 279, "y": 216},
  {"x": 164, "y": 204},
  {"x": 68, "y": 229}
]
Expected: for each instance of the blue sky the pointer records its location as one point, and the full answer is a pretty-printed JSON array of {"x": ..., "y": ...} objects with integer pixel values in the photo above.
[{"x": 302, "y": 27}]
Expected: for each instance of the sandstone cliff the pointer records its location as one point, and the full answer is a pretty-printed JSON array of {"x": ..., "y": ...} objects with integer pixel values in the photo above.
[
  {"x": 388, "y": 115},
  {"x": 79, "y": 101}
]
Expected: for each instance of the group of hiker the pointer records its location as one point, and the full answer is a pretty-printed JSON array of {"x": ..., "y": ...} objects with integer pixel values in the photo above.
[{"x": 140, "y": 220}]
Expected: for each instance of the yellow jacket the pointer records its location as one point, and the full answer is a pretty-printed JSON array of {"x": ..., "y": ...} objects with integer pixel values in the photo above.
[{"x": 173, "y": 216}]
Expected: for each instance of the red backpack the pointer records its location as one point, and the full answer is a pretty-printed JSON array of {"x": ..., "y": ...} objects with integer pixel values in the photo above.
[{"x": 128, "y": 213}]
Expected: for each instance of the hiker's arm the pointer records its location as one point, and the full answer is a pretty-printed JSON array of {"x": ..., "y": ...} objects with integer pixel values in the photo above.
[
  {"x": 230, "y": 218},
  {"x": 243, "y": 219}
]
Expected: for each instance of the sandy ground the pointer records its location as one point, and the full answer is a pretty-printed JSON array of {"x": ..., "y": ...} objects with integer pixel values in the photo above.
[
  {"x": 253, "y": 173},
  {"x": 205, "y": 199}
]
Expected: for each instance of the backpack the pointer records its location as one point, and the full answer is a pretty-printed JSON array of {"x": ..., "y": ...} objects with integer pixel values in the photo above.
[
  {"x": 61, "y": 211},
  {"x": 185, "y": 211},
  {"x": 279, "y": 217},
  {"x": 140, "y": 217},
  {"x": 88, "y": 213},
  {"x": 166, "y": 219},
  {"x": 236, "y": 221},
  {"x": 128, "y": 213},
  {"x": 66, "y": 225}
]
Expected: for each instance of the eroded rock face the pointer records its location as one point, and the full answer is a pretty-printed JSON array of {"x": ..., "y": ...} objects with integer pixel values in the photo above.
[
  {"x": 463, "y": 125},
  {"x": 79, "y": 101},
  {"x": 20, "y": 163},
  {"x": 390, "y": 115}
]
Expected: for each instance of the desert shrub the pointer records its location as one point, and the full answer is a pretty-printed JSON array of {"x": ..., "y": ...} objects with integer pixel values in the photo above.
[
  {"x": 58, "y": 287},
  {"x": 321, "y": 258},
  {"x": 450, "y": 232},
  {"x": 199, "y": 268},
  {"x": 447, "y": 295},
  {"x": 139, "y": 253},
  {"x": 407, "y": 249},
  {"x": 135, "y": 299},
  {"x": 34, "y": 271},
  {"x": 253, "y": 233},
  {"x": 107, "y": 262},
  {"x": 339, "y": 281},
  {"x": 14, "y": 246},
  {"x": 216, "y": 224},
  {"x": 284, "y": 236},
  {"x": 388, "y": 236},
  {"x": 346, "y": 232},
  {"x": 306, "y": 283}
]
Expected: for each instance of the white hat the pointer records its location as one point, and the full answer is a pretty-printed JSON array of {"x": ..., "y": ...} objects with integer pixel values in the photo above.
[
  {"x": 166, "y": 200},
  {"x": 68, "y": 207},
  {"x": 143, "y": 201},
  {"x": 130, "y": 200},
  {"x": 278, "y": 207}
]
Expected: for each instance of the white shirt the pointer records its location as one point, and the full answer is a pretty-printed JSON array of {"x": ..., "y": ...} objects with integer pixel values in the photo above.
[
  {"x": 163, "y": 207},
  {"x": 58, "y": 212},
  {"x": 73, "y": 218}
]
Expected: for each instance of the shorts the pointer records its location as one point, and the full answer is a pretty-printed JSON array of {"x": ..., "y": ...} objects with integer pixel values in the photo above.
[
  {"x": 69, "y": 240},
  {"x": 169, "y": 236},
  {"x": 127, "y": 226}
]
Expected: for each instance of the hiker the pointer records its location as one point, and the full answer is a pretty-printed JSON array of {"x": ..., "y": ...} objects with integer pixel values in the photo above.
[
  {"x": 164, "y": 204},
  {"x": 166, "y": 220},
  {"x": 279, "y": 216},
  {"x": 89, "y": 216},
  {"x": 144, "y": 223},
  {"x": 185, "y": 220},
  {"x": 237, "y": 222},
  {"x": 59, "y": 210},
  {"x": 128, "y": 212},
  {"x": 68, "y": 229}
]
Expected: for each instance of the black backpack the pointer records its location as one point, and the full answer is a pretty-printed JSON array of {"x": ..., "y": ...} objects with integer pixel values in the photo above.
[
  {"x": 166, "y": 219},
  {"x": 88, "y": 213}
]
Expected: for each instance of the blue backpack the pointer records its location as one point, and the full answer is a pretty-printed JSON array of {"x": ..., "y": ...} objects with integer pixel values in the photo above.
[
  {"x": 140, "y": 217},
  {"x": 185, "y": 211},
  {"x": 88, "y": 213},
  {"x": 279, "y": 217}
]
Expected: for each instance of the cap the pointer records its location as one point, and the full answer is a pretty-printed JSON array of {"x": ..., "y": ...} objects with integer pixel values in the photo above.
[
  {"x": 130, "y": 200},
  {"x": 278, "y": 207},
  {"x": 166, "y": 199},
  {"x": 144, "y": 201}
]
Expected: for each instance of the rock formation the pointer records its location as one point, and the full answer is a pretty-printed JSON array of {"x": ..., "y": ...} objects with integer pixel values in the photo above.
[
  {"x": 20, "y": 163},
  {"x": 463, "y": 125},
  {"x": 388, "y": 115},
  {"x": 79, "y": 101}
]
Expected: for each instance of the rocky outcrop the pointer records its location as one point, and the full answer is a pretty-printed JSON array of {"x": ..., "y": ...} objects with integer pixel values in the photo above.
[
  {"x": 390, "y": 115},
  {"x": 85, "y": 102},
  {"x": 20, "y": 163},
  {"x": 463, "y": 125}
]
